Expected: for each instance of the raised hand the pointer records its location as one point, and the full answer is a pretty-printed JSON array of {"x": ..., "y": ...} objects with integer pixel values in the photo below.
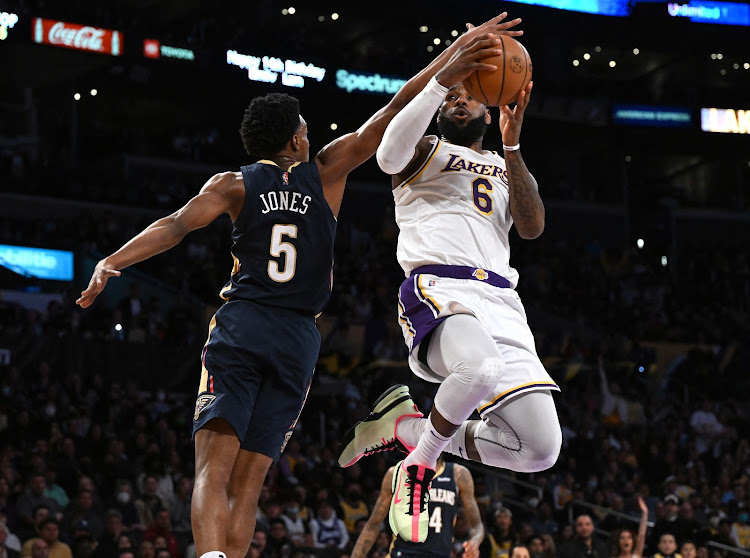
[
  {"x": 497, "y": 25},
  {"x": 98, "y": 281},
  {"x": 511, "y": 120},
  {"x": 468, "y": 59}
]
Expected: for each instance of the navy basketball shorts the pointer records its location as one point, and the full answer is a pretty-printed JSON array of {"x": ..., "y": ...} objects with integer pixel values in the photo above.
[{"x": 258, "y": 365}]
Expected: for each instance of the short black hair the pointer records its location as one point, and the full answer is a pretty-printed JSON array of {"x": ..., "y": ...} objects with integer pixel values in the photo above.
[{"x": 269, "y": 123}]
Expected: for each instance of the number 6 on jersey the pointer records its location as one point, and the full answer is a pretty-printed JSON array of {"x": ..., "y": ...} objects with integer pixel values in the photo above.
[{"x": 287, "y": 249}]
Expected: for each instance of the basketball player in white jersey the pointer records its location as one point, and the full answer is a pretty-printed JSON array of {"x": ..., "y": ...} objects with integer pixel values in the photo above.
[{"x": 461, "y": 317}]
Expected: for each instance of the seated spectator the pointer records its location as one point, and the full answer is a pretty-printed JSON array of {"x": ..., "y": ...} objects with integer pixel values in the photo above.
[
  {"x": 82, "y": 510},
  {"x": 584, "y": 543},
  {"x": 49, "y": 532},
  {"x": 328, "y": 531},
  {"x": 297, "y": 528},
  {"x": 6, "y": 552},
  {"x": 667, "y": 547},
  {"x": 162, "y": 527},
  {"x": 32, "y": 498},
  {"x": 278, "y": 544}
]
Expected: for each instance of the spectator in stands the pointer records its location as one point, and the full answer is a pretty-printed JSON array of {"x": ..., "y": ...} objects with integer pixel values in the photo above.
[
  {"x": 501, "y": 537},
  {"x": 149, "y": 503},
  {"x": 667, "y": 547},
  {"x": 543, "y": 522},
  {"x": 689, "y": 550},
  {"x": 625, "y": 544},
  {"x": 278, "y": 544},
  {"x": 740, "y": 533},
  {"x": 328, "y": 531},
  {"x": 584, "y": 543},
  {"x": 113, "y": 529},
  {"x": 39, "y": 549},
  {"x": 353, "y": 507},
  {"x": 81, "y": 509},
  {"x": 667, "y": 523},
  {"x": 124, "y": 504},
  {"x": 146, "y": 550},
  {"x": 41, "y": 512},
  {"x": 297, "y": 528},
  {"x": 6, "y": 552},
  {"x": 180, "y": 511},
  {"x": 33, "y": 497},
  {"x": 162, "y": 527},
  {"x": 49, "y": 532}
]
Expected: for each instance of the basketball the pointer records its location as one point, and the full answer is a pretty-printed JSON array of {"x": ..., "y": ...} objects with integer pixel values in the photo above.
[{"x": 504, "y": 85}]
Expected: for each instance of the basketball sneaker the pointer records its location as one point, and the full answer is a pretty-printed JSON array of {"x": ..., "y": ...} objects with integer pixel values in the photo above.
[
  {"x": 408, "y": 515},
  {"x": 377, "y": 432}
]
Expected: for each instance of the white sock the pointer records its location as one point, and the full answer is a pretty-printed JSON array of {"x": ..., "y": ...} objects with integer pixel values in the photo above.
[
  {"x": 214, "y": 554},
  {"x": 457, "y": 444},
  {"x": 409, "y": 430},
  {"x": 431, "y": 445}
]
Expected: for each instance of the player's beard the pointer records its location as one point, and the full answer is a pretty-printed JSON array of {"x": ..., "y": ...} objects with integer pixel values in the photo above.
[{"x": 474, "y": 130}]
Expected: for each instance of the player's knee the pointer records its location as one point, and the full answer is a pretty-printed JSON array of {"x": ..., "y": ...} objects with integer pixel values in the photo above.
[
  {"x": 483, "y": 373},
  {"x": 543, "y": 449}
]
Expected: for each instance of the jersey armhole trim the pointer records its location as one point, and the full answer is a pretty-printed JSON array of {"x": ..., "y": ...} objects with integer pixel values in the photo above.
[{"x": 421, "y": 169}]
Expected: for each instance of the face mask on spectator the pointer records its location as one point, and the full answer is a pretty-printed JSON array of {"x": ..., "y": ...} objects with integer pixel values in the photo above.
[
  {"x": 50, "y": 410},
  {"x": 123, "y": 497}
]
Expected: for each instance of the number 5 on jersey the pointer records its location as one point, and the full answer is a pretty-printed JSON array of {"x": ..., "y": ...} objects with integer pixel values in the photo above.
[{"x": 287, "y": 249}]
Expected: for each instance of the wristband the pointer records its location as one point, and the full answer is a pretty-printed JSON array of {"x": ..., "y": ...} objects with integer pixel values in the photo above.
[{"x": 512, "y": 147}]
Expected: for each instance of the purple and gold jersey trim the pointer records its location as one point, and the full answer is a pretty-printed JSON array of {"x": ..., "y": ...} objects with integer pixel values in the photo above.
[
  {"x": 421, "y": 169},
  {"x": 504, "y": 396},
  {"x": 417, "y": 310}
]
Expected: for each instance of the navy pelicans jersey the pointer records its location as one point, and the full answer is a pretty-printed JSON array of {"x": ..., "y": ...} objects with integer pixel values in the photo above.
[
  {"x": 455, "y": 210},
  {"x": 283, "y": 239},
  {"x": 442, "y": 513}
]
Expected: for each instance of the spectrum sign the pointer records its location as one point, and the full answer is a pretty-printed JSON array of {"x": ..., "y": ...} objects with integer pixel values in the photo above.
[
  {"x": 725, "y": 121},
  {"x": 7, "y": 21},
  {"x": 368, "y": 83},
  {"x": 154, "y": 49},
  {"x": 268, "y": 68},
  {"x": 76, "y": 36}
]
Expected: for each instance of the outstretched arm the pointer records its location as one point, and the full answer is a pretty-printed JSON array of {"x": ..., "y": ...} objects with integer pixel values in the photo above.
[
  {"x": 471, "y": 511},
  {"x": 640, "y": 540},
  {"x": 526, "y": 205},
  {"x": 370, "y": 533},
  {"x": 337, "y": 159},
  {"x": 221, "y": 193}
]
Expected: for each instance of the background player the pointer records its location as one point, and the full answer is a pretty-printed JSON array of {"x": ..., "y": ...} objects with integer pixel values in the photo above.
[
  {"x": 462, "y": 320},
  {"x": 263, "y": 342},
  {"x": 451, "y": 480}
]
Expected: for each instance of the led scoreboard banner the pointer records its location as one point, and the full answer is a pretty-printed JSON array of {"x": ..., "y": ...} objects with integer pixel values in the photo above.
[{"x": 76, "y": 36}]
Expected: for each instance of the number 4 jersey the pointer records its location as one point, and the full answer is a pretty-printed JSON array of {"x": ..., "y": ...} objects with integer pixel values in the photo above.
[
  {"x": 283, "y": 239},
  {"x": 454, "y": 210}
]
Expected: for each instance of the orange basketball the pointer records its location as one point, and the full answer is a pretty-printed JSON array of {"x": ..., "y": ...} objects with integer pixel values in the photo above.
[{"x": 504, "y": 85}]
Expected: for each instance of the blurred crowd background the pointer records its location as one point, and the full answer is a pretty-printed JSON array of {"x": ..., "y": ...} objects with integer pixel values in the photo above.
[{"x": 638, "y": 292}]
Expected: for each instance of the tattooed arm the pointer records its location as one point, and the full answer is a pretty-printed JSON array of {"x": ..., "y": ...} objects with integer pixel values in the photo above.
[
  {"x": 471, "y": 511},
  {"x": 526, "y": 205},
  {"x": 371, "y": 530}
]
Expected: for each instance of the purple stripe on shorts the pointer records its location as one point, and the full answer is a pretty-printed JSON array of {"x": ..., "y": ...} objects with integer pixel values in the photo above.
[
  {"x": 418, "y": 314},
  {"x": 464, "y": 272}
]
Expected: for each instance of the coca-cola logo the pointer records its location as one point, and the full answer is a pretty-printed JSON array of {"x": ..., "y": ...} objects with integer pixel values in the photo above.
[{"x": 86, "y": 38}]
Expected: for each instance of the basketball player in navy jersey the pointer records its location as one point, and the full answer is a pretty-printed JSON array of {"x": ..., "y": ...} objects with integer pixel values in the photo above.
[
  {"x": 263, "y": 342},
  {"x": 452, "y": 484}
]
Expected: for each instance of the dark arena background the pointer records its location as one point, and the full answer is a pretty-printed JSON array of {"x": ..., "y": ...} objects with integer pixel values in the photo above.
[{"x": 113, "y": 114}]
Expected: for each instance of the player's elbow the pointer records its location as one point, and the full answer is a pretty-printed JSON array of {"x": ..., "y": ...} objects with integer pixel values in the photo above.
[
  {"x": 531, "y": 230},
  {"x": 390, "y": 162}
]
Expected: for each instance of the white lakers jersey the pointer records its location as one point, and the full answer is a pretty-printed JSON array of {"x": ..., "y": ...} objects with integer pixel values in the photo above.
[{"x": 455, "y": 210}]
